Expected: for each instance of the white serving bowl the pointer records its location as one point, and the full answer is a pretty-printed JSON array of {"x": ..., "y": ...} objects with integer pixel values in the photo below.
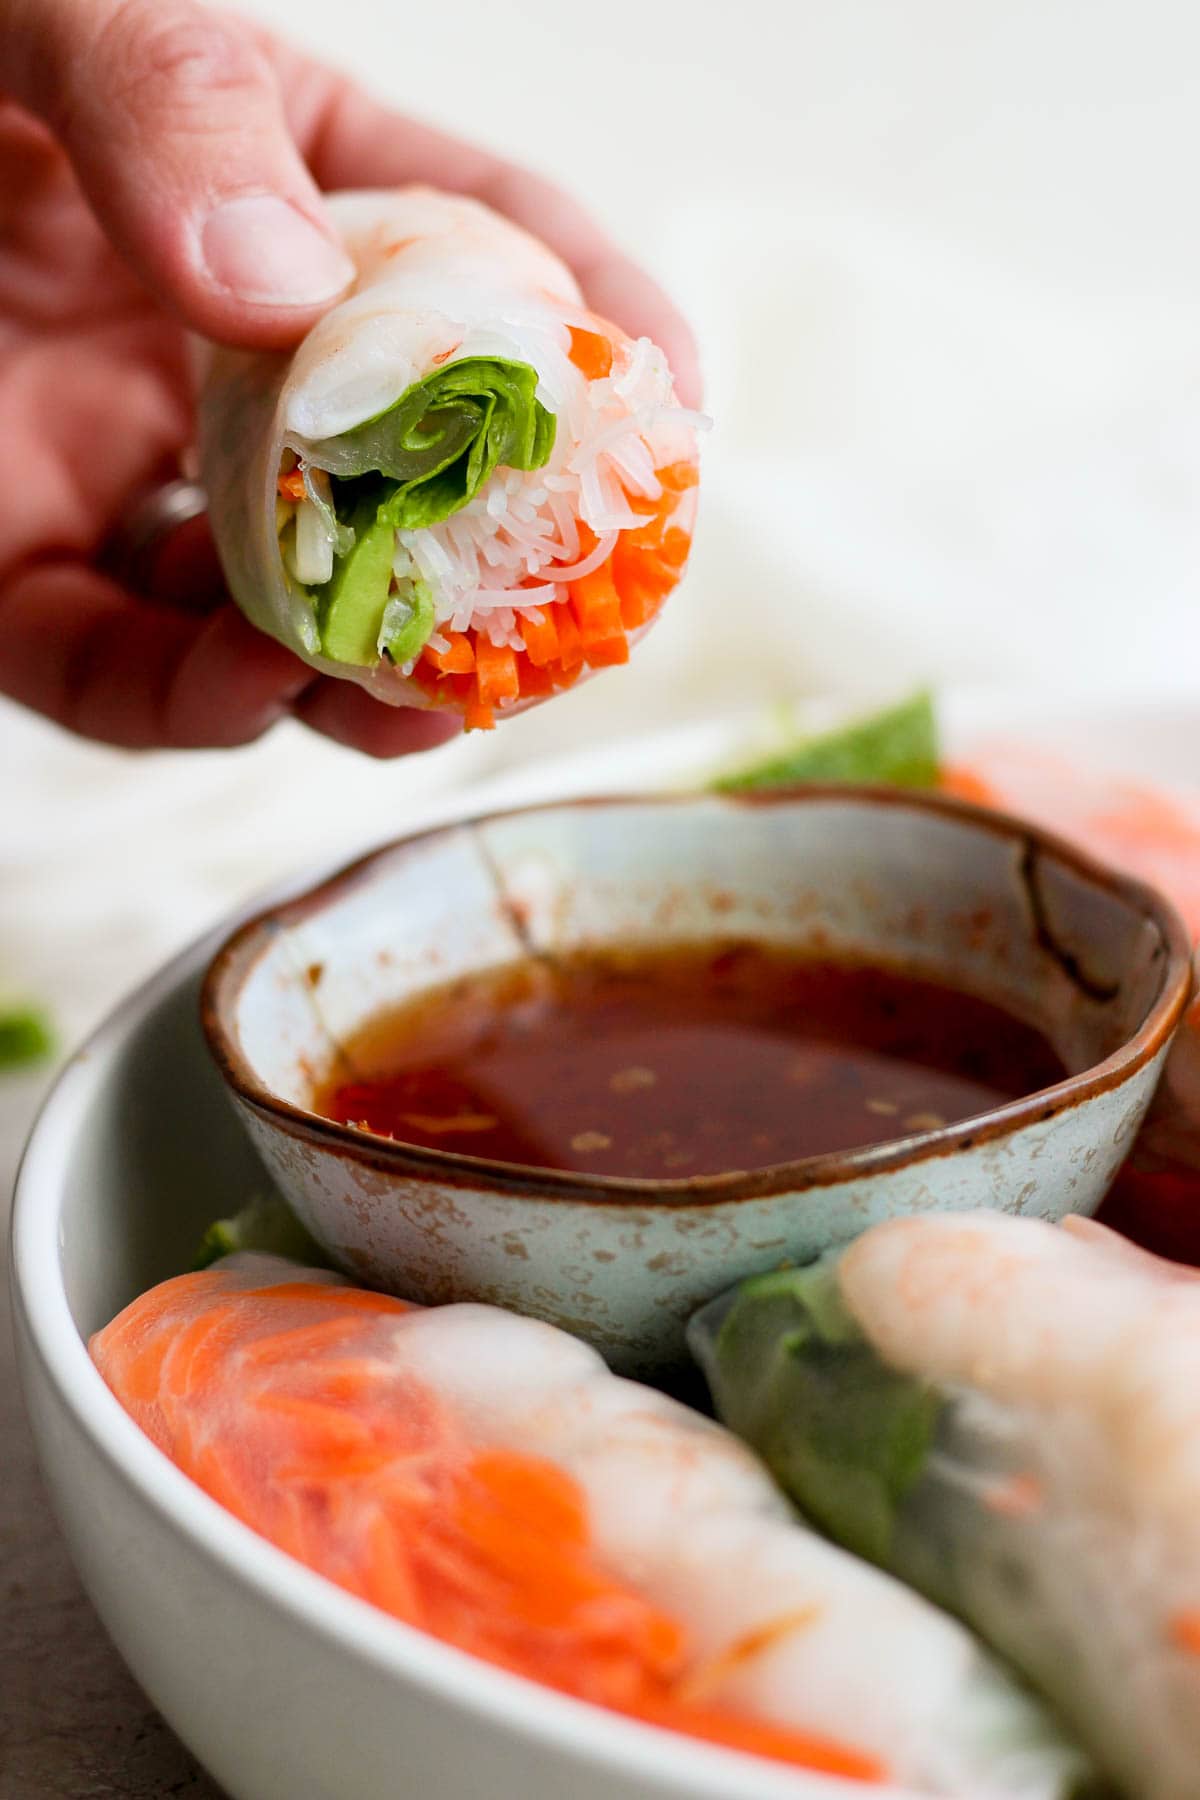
[
  {"x": 281, "y": 1683},
  {"x": 947, "y": 891},
  {"x": 284, "y": 1686}
]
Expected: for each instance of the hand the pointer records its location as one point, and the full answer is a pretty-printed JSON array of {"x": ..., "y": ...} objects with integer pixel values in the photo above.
[{"x": 162, "y": 171}]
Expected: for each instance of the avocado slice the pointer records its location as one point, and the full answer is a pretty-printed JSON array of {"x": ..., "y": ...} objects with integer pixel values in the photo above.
[
  {"x": 408, "y": 622},
  {"x": 351, "y": 604}
]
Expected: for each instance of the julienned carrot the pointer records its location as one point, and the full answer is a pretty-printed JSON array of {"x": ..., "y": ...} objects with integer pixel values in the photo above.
[
  {"x": 495, "y": 671},
  {"x": 549, "y": 1502},
  {"x": 674, "y": 547},
  {"x": 458, "y": 659},
  {"x": 594, "y": 594},
  {"x": 591, "y": 352},
  {"x": 639, "y": 604},
  {"x": 570, "y": 648},
  {"x": 477, "y": 716},
  {"x": 641, "y": 537},
  {"x": 680, "y": 476},
  {"x": 604, "y": 650},
  {"x": 642, "y": 588},
  {"x": 536, "y": 682},
  {"x": 541, "y": 636},
  {"x": 595, "y": 600},
  {"x": 657, "y": 519},
  {"x": 597, "y": 607},
  {"x": 655, "y": 571}
]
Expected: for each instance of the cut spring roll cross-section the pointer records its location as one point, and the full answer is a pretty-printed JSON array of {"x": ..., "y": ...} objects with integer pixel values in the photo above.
[
  {"x": 463, "y": 490},
  {"x": 486, "y": 1479},
  {"x": 1006, "y": 1414}
]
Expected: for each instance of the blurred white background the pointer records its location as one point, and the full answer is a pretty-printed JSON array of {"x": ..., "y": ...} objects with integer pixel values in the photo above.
[{"x": 944, "y": 260}]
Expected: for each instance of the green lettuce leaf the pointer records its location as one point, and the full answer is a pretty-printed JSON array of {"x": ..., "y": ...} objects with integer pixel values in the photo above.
[
  {"x": 898, "y": 747},
  {"x": 845, "y": 1436},
  {"x": 26, "y": 1036},
  {"x": 267, "y": 1223},
  {"x": 443, "y": 437}
]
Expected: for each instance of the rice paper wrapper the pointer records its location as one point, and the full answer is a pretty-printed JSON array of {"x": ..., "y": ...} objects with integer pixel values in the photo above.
[
  {"x": 441, "y": 278},
  {"x": 775, "y": 1640},
  {"x": 1006, "y": 1415}
]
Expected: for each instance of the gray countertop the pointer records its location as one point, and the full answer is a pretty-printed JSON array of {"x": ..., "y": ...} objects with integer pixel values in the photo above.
[{"x": 73, "y": 1723}]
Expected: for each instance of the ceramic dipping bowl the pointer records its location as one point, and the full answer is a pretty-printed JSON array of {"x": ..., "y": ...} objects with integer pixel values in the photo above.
[{"x": 946, "y": 891}]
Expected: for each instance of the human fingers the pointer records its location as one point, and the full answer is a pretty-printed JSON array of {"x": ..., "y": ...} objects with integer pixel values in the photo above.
[
  {"x": 345, "y": 712},
  {"x": 174, "y": 122},
  {"x": 77, "y": 647},
  {"x": 354, "y": 141}
]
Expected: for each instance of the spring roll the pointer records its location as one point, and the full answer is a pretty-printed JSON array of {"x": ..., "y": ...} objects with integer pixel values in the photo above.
[
  {"x": 1006, "y": 1415},
  {"x": 485, "y": 1478},
  {"x": 464, "y": 490},
  {"x": 1150, "y": 831}
]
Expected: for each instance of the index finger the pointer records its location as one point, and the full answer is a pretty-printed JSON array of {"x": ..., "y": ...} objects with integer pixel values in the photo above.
[{"x": 351, "y": 140}]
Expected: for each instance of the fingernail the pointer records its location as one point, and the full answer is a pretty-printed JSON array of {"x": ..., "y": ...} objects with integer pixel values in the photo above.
[{"x": 264, "y": 251}]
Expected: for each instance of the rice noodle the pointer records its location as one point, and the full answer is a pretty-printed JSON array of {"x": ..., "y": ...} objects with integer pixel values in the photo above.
[
  {"x": 528, "y": 599},
  {"x": 600, "y": 554}
]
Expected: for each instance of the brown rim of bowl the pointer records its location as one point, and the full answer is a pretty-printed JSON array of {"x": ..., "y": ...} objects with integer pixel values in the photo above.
[{"x": 237, "y": 956}]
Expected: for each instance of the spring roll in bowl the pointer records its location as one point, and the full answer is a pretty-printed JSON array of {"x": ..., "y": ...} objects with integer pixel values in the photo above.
[
  {"x": 485, "y": 1478},
  {"x": 1005, "y": 1414},
  {"x": 464, "y": 490}
]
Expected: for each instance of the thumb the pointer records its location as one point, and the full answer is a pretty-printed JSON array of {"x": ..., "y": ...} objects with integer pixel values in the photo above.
[{"x": 174, "y": 122}]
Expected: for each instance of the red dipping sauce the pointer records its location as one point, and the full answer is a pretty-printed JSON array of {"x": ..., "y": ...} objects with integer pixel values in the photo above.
[{"x": 663, "y": 1065}]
